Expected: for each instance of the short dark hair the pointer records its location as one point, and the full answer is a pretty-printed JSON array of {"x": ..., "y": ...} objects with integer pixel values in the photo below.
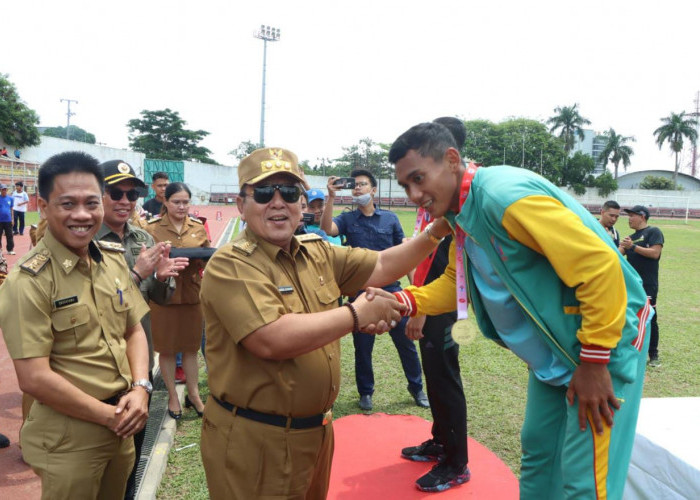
[
  {"x": 428, "y": 139},
  {"x": 176, "y": 187},
  {"x": 610, "y": 204},
  {"x": 160, "y": 175},
  {"x": 456, "y": 128},
  {"x": 19, "y": 183},
  {"x": 66, "y": 163},
  {"x": 305, "y": 195},
  {"x": 366, "y": 173}
]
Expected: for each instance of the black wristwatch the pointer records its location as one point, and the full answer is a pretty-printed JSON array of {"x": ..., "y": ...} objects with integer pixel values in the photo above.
[
  {"x": 145, "y": 383},
  {"x": 634, "y": 245}
]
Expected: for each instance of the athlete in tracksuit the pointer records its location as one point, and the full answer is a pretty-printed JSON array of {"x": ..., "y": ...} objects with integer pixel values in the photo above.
[{"x": 544, "y": 280}]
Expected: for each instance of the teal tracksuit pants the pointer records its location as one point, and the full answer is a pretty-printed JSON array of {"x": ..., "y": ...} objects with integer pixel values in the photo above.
[{"x": 560, "y": 461}]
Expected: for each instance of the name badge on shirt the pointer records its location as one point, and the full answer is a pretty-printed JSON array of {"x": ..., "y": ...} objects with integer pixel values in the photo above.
[
  {"x": 285, "y": 290},
  {"x": 65, "y": 302}
]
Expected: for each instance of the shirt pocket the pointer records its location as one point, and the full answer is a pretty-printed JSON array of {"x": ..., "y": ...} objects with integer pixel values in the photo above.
[
  {"x": 328, "y": 294},
  {"x": 69, "y": 325}
]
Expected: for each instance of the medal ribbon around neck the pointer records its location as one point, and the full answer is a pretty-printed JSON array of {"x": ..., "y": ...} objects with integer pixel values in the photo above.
[{"x": 462, "y": 298}]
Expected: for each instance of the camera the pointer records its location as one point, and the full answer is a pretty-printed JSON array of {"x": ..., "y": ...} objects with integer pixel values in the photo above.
[
  {"x": 345, "y": 183},
  {"x": 307, "y": 218}
]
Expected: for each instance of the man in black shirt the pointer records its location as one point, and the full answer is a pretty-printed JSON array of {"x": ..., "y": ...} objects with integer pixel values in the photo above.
[
  {"x": 643, "y": 251},
  {"x": 609, "y": 214},
  {"x": 160, "y": 182}
]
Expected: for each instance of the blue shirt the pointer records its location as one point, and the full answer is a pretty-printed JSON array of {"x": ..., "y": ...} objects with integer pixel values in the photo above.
[
  {"x": 379, "y": 231},
  {"x": 514, "y": 328},
  {"x": 6, "y": 208}
]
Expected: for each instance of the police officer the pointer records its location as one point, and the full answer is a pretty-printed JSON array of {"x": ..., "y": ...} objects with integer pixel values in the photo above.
[
  {"x": 177, "y": 327},
  {"x": 273, "y": 325},
  {"x": 151, "y": 268},
  {"x": 70, "y": 315}
]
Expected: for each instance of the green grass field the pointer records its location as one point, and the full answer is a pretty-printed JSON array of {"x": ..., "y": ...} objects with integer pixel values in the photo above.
[{"x": 495, "y": 380}]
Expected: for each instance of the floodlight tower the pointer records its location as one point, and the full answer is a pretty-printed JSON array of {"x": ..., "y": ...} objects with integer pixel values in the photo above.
[
  {"x": 68, "y": 115},
  {"x": 694, "y": 151},
  {"x": 266, "y": 34}
]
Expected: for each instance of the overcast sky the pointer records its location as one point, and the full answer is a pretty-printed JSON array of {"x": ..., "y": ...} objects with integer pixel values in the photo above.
[{"x": 344, "y": 70}]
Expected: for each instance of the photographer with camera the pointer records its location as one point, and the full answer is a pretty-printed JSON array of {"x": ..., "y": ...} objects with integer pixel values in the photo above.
[{"x": 376, "y": 229}]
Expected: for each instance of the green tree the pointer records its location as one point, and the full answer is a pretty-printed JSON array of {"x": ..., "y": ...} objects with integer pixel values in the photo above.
[
  {"x": 367, "y": 155},
  {"x": 76, "y": 134},
  {"x": 577, "y": 172},
  {"x": 674, "y": 130},
  {"x": 606, "y": 184},
  {"x": 244, "y": 149},
  {"x": 569, "y": 123},
  {"x": 616, "y": 150},
  {"x": 657, "y": 182},
  {"x": 162, "y": 135},
  {"x": 17, "y": 121}
]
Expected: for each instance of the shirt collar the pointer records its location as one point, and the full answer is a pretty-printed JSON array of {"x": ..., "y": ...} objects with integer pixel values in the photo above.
[
  {"x": 270, "y": 249},
  {"x": 66, "y": 259},
  {"x": 105, "y": 232}
]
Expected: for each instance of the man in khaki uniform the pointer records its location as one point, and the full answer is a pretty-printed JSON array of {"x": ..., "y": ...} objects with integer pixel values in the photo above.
[
  {"x": 151, "y": 268},
  {"x": 270, "y": 303},
  {"x": 70, "y": 316}
]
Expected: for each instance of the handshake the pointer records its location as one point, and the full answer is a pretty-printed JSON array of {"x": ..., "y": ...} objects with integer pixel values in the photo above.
[{"x": 378, "y": 311}]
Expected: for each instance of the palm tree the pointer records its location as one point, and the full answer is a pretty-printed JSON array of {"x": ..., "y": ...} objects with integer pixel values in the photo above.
[
  {"x": 616, "y": 150},
  {"x": 674, "y": 129},
  {"x": 570, "y": 124}
]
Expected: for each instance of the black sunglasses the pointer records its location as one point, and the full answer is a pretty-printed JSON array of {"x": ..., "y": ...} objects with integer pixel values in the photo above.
[
  {"x": 263, "y": 194},
  {"x": 117, "y": 194}
]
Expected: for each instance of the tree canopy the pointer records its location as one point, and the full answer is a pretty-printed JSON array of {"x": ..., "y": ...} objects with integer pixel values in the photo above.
[
  {"x": 76, "y": 134},
  {"x": 244, "y": 149},
  {"x": 657, "y": 182},
  {"x": 366, "y": 155},
  {"x": 674, "y": 130},
  {"x": 568, "y": 121},
  {"x": 162, "y": 135},
  {"x": 616, "y": 150},
  {"x": 17, "y": 121}
]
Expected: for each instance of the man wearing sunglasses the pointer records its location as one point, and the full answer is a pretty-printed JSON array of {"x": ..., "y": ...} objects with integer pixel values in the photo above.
[
  {"x": 270, "y": 302},
  {"x": 151, "y": 268}
]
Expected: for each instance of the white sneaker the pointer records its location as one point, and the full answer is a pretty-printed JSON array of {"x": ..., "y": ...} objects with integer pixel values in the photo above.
[{"x": 10, "y": 253}]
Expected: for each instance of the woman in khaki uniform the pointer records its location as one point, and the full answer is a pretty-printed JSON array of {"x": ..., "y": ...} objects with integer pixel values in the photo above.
[{"x": 177, "y": 327}]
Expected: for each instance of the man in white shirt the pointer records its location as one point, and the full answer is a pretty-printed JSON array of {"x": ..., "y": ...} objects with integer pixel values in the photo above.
[{"x": 21, "y": 201}]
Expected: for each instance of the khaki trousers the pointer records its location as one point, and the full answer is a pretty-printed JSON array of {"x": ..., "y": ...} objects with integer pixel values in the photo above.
[
  {"x": 244, "y": 459},
  {"x": 74, "y": 458}
]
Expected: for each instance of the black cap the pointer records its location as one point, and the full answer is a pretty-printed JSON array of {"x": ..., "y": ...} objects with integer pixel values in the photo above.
[
  {"x": 118, "y": 170},
  {"x": 639, "y": 210}
]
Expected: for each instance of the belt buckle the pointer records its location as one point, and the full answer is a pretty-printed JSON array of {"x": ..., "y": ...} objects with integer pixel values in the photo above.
[{"x": 327, "y": 417}]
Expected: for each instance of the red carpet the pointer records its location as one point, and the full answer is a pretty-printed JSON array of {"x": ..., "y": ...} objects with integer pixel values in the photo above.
[{"x": 367, "y": 463}]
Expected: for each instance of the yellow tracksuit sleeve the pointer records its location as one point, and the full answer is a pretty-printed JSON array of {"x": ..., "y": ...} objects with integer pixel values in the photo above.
[
  {"x": 438, "y": 296},
  {"x": 581, "y": 260}
]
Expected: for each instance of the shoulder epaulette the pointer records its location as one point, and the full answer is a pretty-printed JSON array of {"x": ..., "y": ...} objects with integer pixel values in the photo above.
[
  {"x": 111, "y": 246},
  {"x": 304, "y": 238},
  {"x": 245, "y": 246},
  {"x": 154, "y": 219},
  {"x": 195, "y": 219},
  {"x": 36, "y": 263}
]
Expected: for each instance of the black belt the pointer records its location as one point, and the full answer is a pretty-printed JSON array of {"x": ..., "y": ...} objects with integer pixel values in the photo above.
[{"x": 277, "y": 420}]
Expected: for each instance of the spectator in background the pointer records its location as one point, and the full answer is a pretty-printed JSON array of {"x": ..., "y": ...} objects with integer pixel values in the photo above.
[
  {"x": 3, "y": 152},
  {"x": 643, "y": 251},
  {"x": 317, "y": 202},
  {"x": 608, "y": 217},
  {"x": 6, "y": 203},
  {"x": 160, "y": 182},
  {"x": 177, "y": 327},
  {"x": 20, "y": 203},
  {"x": 17, "y": 153},
  {"x": 376, "y": 229},
  {"x": 440, "y": 356}
]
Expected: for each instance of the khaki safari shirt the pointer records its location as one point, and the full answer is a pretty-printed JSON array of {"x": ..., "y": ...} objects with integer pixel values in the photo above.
[
  {"x": 250, "y": 283},
  {"x": 191, "y": 235},
  {"x": 54, "y": 305}
]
